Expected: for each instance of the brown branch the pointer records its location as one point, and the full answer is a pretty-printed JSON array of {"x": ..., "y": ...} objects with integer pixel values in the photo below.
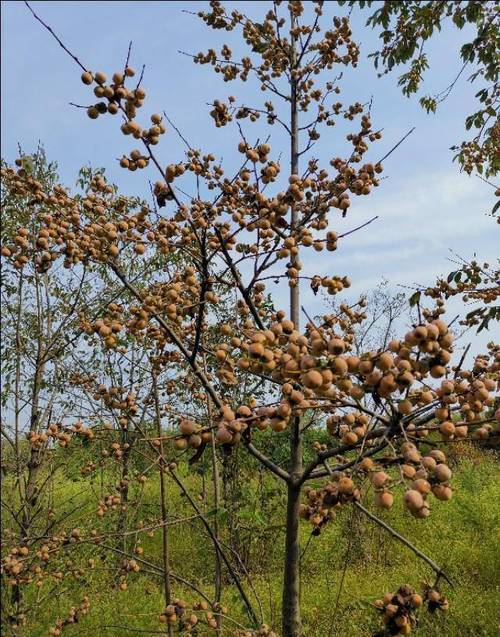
[
  {"x": 174, "y": 338},
  {"x": 367, "y": 223},
  {"x": 394, "y": 147},
  {"x": 163, "y": 504},
  {"x": 210, "y": 532},
  {"x": 278, "y": 471},
  {"x": 56, "y": 38},
  {"x": 435, "y": 567},
  {"x": 342, "y": 449}
]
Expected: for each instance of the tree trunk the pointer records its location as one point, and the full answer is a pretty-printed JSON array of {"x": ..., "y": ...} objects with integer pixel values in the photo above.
[
  {"x": 218, "y": 561},
  {"x": 164, "y": 509},
  {"x": 291, "y": 619}
]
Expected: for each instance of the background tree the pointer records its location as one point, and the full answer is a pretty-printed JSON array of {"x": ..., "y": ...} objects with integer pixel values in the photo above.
[{"x": 405, "y": 28}]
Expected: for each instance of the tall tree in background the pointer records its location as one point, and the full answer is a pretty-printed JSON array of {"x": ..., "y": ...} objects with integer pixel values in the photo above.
[{"x": 405, "y": 29}]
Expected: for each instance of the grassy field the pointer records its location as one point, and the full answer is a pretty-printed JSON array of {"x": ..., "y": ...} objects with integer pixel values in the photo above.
[{"x": 345, "y": 569}]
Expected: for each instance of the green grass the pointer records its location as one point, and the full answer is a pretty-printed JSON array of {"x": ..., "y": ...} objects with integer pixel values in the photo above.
[{"x": 461, "y": 535}]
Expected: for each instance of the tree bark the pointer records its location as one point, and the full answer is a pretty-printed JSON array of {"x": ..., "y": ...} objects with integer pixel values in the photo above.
[
  {"x": 291, "y": 618},
  {"x": 164, "y": 510},
  {"x": 216, "y": 493}
]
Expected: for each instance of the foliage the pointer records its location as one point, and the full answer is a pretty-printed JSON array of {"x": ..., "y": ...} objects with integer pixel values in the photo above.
[{"x": 405, "y": 27}]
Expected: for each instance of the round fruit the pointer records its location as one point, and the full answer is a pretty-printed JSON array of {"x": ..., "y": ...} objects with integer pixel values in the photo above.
[{"x": 413, "y": 500}]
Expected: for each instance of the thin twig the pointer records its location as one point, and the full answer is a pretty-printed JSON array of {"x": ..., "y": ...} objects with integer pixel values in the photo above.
[
  {"x": 394, "y": 147},
  {"x": 56, "y": 37},
  {"x": 435, "y": 567},
  {"x": 367, "y": 223}
]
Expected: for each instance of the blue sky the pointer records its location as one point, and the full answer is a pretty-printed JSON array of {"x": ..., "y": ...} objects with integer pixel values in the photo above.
[{"x": 426, "y": 207}]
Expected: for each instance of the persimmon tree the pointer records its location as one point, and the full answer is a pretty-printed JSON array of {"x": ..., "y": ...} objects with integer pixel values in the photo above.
[
  {"x": 387, "y": 411},
  {"x": 39, "y": 324},
  {"x": 44, "y": 400}
]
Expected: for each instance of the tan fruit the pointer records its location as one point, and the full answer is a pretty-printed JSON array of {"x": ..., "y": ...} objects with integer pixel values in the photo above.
[
  {"x": 87, "y": 77},
  {"x": 442, "y": 492},
  {"x": 256, "y": 350},
  {"x": 413, "y": 500},
  {"x": 336, "y": 346},
  {"x": 441, "y": 326},
  {"x": 405, "y": 407},
  {"x": 223, "y": 436},
  {"x": 442, "y": 473},
  {"x": 461, "y": 431},
  {"x": 442, "y": 413},
  {"x": 391, "y": 610},
  {"x": 365, "y": 367},
  {"x": 385, "y": 361},
  {"x": 394, "y": 346},
  {"x": 447, "y": 428},
  {"x": 401, "y": 621},
  {"x": 357, "y": 392},
  {"x": 426, "y": 397},
  {"x": 438, "y": 455},
  {"x": 346, "y": 485},
  {"x": 422, "y": 513},
  {"x": 100, "y": 77},
  {"x": 313, "y": 379},
  {"x": 422, "y": 486},
  {"x": 446, "y": 341},
  {"x": 349, "y": 438},
  {"x": 378, "y": 479},
  {"x": 428, "y": 463},
  {"x": 384, "y": 499},
  {"x": 278, "y": 424},
  {"x": 194, "y": 441},
  {"x": 227, "y": 413},
  {"x": 352, "y": 363},
  {"x": 187, "y": 427},
  {"x": 416, "y": 600},
  {"x": 366, "y": 464},
  {"x": 408, "y": 470},
  {"x": 206, "y": 436},
  {"x": 387, "y": 385},
  {"x": 438, "y": 371},
  {"x": 339, "y": 366}
]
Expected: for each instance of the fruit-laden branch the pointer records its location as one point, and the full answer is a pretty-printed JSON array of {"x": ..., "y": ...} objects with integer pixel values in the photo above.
[
  {"x": 207, "y": 526},
  {"x": 201, "y": 376},
  {"x": 203, "y": 291},
  {"x": 347, "y": 465},
  {"x": 172, "y": 336},
  {"x": 341, "y": 449}
]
